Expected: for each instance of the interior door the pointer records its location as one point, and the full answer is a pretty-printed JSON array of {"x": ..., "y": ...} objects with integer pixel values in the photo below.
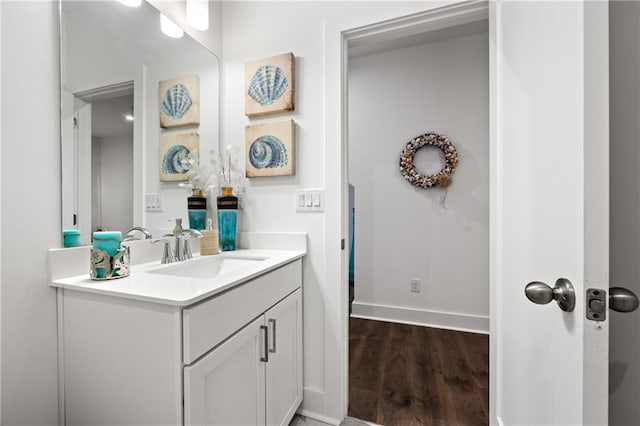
[{"x": 549, "y": 213}]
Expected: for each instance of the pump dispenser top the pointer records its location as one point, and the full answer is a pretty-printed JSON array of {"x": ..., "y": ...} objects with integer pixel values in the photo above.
[{"x": 178, "y": 228}]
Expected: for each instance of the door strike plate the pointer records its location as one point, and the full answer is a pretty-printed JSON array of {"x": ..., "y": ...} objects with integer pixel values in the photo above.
[{"x": 596, "y": 304}]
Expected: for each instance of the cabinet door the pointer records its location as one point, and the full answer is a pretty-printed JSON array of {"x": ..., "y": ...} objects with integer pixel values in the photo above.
[
  {"x": 226, "y": 387},
  {"x": 284, "y": 369}
]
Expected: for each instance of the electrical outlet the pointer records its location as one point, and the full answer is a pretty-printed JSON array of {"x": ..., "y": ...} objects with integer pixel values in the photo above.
[{"x": 415, "y": 285}]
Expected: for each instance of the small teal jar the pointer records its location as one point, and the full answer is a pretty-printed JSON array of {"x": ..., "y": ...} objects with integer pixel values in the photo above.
[
  {"x": 108, "y": 241},
  {"x": 71, "y": 238}
]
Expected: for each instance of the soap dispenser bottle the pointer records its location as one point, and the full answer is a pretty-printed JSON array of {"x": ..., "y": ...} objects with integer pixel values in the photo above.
[
  {"x": 178, "y": 228},
  {"x": 209, "y": 241}
]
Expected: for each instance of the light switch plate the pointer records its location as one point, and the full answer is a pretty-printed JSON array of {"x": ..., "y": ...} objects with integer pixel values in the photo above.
[
  {"x": 153, "y": 202},
  {"x": 309, "y": 200}
]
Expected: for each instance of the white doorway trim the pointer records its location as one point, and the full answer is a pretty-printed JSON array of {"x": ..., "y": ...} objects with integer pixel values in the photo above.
[{"x": 434, "y": 20}]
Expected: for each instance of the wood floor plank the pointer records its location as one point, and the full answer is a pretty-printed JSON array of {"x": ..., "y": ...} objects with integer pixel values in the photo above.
[{"x": 411, "y": 375}]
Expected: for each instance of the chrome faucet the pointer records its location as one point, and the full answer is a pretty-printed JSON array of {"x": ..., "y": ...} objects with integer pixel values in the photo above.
[
  {"x": 182, "y": 248},
  {"x": 167, "y": 254},
  {"x": 145, "y": 231}
]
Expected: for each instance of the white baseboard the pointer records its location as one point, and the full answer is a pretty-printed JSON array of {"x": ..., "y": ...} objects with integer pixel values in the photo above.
[{"x": 446, "y": 320}]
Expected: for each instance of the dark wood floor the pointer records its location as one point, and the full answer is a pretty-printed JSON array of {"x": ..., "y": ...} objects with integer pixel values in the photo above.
[{"x": 403, "y": 375}]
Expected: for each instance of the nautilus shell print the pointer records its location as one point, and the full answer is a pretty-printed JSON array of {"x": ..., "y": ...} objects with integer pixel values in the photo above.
[
  {"x": 268, "y": 152},
  {"x": 270, "y": 149},
  {"x": 173, "y": 160},
  {"x": 268, "y": 84},
  {"x": 176, "y": 101}
]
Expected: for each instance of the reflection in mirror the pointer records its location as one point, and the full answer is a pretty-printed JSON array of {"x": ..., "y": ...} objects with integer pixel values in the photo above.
[
  {"x": 112, "y": 59},
  {"x": 111, "y": 130}
]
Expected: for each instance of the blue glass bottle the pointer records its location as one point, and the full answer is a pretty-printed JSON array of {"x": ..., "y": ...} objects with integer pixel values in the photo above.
[
  {"x": 197, "y": 209},
  {"x": 227, "y": 219}
]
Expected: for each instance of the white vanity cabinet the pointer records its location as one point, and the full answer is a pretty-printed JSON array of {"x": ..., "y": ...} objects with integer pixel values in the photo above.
[
  {"x": 263, "y": 357},
  {"x": 231, "y": 359}
]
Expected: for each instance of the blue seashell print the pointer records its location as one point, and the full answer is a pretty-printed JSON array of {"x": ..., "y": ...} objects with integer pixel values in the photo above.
[
  {"x": 268, "y": 84},
  {"x": 173, "y": 160},
  {"x": 176, "y": 101},
  {"x": 268, "y": 152}
]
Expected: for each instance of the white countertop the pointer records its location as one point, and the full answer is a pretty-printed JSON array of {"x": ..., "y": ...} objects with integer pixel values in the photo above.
[{"x": 179, "y": 290}]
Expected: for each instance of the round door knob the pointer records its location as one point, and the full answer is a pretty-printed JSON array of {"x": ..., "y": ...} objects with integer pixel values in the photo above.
[
  {"x": 622, "y": 300},
  {"x": 563, "y": 293}
]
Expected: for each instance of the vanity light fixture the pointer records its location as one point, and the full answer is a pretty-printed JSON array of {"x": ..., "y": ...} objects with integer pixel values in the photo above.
[
  {"x": 131, "y": 3},
  {"x": 198, "y": 14},
  {"x": 128, "y": 117},
  {"x": 169, "y": 28}
]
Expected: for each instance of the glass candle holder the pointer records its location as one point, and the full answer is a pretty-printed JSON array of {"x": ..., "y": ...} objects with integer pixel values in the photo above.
[
  {"x": 108, "y": 241},
  {"x": 71, "y": 237}
]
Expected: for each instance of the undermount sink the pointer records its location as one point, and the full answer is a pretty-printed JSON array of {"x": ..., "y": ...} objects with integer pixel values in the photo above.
[{"x": 209, "y": 266}]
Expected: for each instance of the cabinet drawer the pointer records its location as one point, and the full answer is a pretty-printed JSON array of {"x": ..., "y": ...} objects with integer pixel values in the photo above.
[{"x": 207, "y": 324}]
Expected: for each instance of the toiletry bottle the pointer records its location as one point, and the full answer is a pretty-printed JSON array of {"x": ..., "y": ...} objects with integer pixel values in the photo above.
[
  {"x": 197, "y": 209},
  {"x": 209, "y": 241},
  {"x": 178, "y": 228},
  {"x": 227, "y": 219}
]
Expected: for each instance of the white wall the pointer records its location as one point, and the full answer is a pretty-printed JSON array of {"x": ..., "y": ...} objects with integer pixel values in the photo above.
[
  {"x": 402, "y": 231},
  {"x": 30, "y": 210},
  {"x": 311, "y": 30},
  {"x": 624, "y": 339},
  {"x": 1, "y": 221}
]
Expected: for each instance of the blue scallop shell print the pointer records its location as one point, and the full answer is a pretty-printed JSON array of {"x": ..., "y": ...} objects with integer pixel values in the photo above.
[
  {"x": 268, "y": 84},
  {"x": 268, "y": 152},
  {"x": 172, "y": 161},
  {"x": 176, "y": 101}
]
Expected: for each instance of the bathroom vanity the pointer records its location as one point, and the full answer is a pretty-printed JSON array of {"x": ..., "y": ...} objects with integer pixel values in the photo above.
[{"x": 215, "y": 340}]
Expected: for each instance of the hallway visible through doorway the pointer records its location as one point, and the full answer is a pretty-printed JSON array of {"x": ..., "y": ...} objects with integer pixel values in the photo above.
[{"x": 413, "y": 375}]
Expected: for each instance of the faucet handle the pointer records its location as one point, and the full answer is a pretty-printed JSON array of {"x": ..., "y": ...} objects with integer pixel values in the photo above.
[
  {"x": 185, "y": 236},
  {"x": 167, "y": 254}
]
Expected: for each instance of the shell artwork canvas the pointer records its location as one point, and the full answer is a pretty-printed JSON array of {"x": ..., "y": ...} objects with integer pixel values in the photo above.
[
  {"x": 270, "y": 149},
  {"x": 179, "y": 101},
  {"x": 269, "y": 85},
  {"x": 174, "y": 151}
]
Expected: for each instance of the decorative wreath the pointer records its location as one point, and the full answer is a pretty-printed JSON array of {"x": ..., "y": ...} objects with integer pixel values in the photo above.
[{"x": 443, "y": 177}]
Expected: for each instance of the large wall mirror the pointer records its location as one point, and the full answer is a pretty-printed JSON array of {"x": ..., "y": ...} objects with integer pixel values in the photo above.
[{"x": 113, "y": 58}]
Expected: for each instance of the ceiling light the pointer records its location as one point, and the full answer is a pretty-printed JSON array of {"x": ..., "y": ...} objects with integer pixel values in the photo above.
[
  {"x": 170, "y": 28},
  {"x": 128, "y": 117},
  {"x": 131, "y": 3},
  {"x": 198, "y": 14}
]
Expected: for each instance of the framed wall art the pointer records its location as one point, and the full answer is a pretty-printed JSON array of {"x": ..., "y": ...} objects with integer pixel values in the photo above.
[
  {"x": 174, "y": 152},
  {"x": 270, "y": 149},
  {"x": 269, "y": 85},
  {"x": 179, "y": 101}
]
